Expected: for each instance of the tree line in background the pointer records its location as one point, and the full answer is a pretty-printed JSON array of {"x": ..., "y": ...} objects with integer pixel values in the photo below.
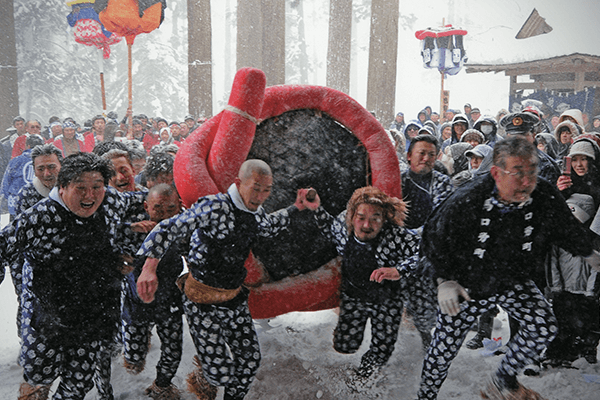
[{"x": 57, "y": 76}]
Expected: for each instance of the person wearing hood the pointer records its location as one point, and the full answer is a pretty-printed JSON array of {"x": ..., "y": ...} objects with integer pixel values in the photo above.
[
  {"x": 574, "y": 285},
  {"x": 460, "y": 124},
  {"x": 473, "y": 137},
  {"x": 547, "y": 143},
  {"x": 479, "y": 162},
  {"x": 165, "y": 136},
  {"x": 574, "y": 115},
  {"x": 453, "y": 157},
  {"x": 411, "y": 130},
  {"x": 596, "y": 124},
  {"x": 445, "y": 131},
  {"x": 422, "y": 116},
  {"x": 565, "y": 132},
  {"x": 489, "y": 127}
]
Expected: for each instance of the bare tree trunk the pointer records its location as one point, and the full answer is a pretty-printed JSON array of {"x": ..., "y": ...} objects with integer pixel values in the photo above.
[
  {"x": 338, "y": 50},
  {"x": 261, "y": 37},
  {"x": 9, "y": 79},
  {"x": 273, "y": 17},
  {"x": 249, "y": 34},
  {"x": 383, "y": 49},
  {"x": 199, "y": 58}
]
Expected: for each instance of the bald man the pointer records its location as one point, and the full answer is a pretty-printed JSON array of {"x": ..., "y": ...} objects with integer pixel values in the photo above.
[{"x": 221, "y": 229}]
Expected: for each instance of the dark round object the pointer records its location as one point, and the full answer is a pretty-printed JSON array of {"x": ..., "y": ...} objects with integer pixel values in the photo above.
[{"x": 306, "y": 148}]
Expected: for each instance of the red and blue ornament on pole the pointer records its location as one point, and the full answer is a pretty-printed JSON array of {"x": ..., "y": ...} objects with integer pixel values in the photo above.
[
  {"x": 88, "y": 29},
  {"x": 443, "y": 49}
]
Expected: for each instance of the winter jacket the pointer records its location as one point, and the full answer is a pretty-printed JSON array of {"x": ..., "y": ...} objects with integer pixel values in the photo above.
[
  {"x": 394, "y": 247},
  {"x": 18, "y": 173},
  {"x": 222, "y": 235},
  {"x": 488, "y": 247},
  {"x": 563, "y": 148}
]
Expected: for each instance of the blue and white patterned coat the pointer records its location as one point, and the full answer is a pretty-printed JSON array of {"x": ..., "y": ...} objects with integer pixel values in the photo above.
[
  {"x": 220, "y": 236},
  {"x": 394, "y": 247},
  {"x": 71, "y": 276}
]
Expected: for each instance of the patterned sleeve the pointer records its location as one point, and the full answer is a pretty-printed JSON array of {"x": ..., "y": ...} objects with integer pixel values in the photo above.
[
  {"x": 400, "y": 249},
  {"x": 122, "y": 203},
  {"x": 443, "y": 188},
  {"x": 208, "y": 212},
  {"x": 333, "y": 228},
  {"x": 273, "y": 223}
]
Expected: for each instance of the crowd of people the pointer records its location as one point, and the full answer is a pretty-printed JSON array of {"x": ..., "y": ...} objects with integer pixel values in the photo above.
[{"x": 498, "y": 212}]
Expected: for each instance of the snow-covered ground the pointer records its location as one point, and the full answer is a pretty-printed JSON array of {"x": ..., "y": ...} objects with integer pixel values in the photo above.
[{"x": 300, "y": 363}]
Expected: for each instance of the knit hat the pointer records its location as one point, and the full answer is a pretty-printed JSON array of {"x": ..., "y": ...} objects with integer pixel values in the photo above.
[
  {"x": 582, "y": 147},
  {"x": 582, "y": 206}
]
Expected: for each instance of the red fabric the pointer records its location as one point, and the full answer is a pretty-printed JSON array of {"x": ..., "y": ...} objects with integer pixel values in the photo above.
[
  {"x": 441, "y": 32},
  {"x": 19, "y": 146},
  {"x": 210, "y": 157},
  {"x": 89, "y": 32},
  {"x": 149, "y": 141},
  {"x": 235, "y": 133},
  {"x": 59, "y": 145},
  {"x": 89, "y": 141},
  {"x": 122, "y": 17}
]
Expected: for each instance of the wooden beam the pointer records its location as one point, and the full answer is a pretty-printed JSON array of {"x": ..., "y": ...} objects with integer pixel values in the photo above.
[
  {"x": 553, "y": 69},
  {"x": 570, "y": 85}
]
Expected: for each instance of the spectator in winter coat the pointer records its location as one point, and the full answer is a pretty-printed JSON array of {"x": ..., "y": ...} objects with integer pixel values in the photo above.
[
  {"x": 223, "y": 228},
  {"x": 68, "y": 143},
  {"x": 445, "y": 132},
  {"x": 19, "y": 173},
  {"x": 485, "y": 258},
  {"x": 596, "y": 124},
  {"x": 379, "y": 263},
  {"x": 411, "y": 130},
  {"x": 32, "y": 127},
  {"x": 547, "y": 143},
  {"x": 487, "y": 125},
  {"x": 565, "y": 133},
  {"x": 574, "y": 292},
  {"x": 574, "y": 115},
  {"x": 70, "y": 293},
  {"x": 422, "y": 187},
  {"x": 397, "y": 124},
  {"x": 473, "y": 137},
  {"x": 459, "y": 125}
]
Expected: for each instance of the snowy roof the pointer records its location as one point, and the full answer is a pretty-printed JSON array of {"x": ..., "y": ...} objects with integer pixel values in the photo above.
[{"x": 493, "y": 27}]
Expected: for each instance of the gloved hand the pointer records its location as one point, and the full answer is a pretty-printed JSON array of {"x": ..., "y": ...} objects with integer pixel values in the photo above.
[
  {"x": 593, "y": 260},
  {"x": 448, "y": 297}
]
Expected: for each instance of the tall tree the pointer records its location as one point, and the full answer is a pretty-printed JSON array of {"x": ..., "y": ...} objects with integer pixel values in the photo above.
[
  {"x": 273, "y": 38},
  {"x": 199, "y": 58},
  {"x": 383, "y": 49},
  {"x": 338, "y": 49},
  {"x": 9, "y": 79},
  {"x": 261, "y": 37}
]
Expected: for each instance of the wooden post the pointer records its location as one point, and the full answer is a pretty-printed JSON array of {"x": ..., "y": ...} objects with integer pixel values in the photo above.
[{"x": 130, "y": 85}]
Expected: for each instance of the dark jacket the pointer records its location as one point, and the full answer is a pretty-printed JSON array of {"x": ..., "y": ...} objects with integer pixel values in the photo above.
[{"x": 488, "y": 247}]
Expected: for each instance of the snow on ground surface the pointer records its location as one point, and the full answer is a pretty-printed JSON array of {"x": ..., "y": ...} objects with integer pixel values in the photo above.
[{"x": 299, "y": 363}]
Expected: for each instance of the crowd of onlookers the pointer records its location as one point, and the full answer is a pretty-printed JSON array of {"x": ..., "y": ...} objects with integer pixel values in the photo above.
[{"x": 138, "y": 133}]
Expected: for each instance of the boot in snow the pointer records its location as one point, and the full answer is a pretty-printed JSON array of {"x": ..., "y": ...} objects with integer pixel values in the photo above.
[
  {"x": 484, "y": 331},
  {"x": 163, "y": 393},
  {"x": 198, "y": 384},
  {"x": 496, "y": 390},
  {"x": 30, "y": 392}
]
